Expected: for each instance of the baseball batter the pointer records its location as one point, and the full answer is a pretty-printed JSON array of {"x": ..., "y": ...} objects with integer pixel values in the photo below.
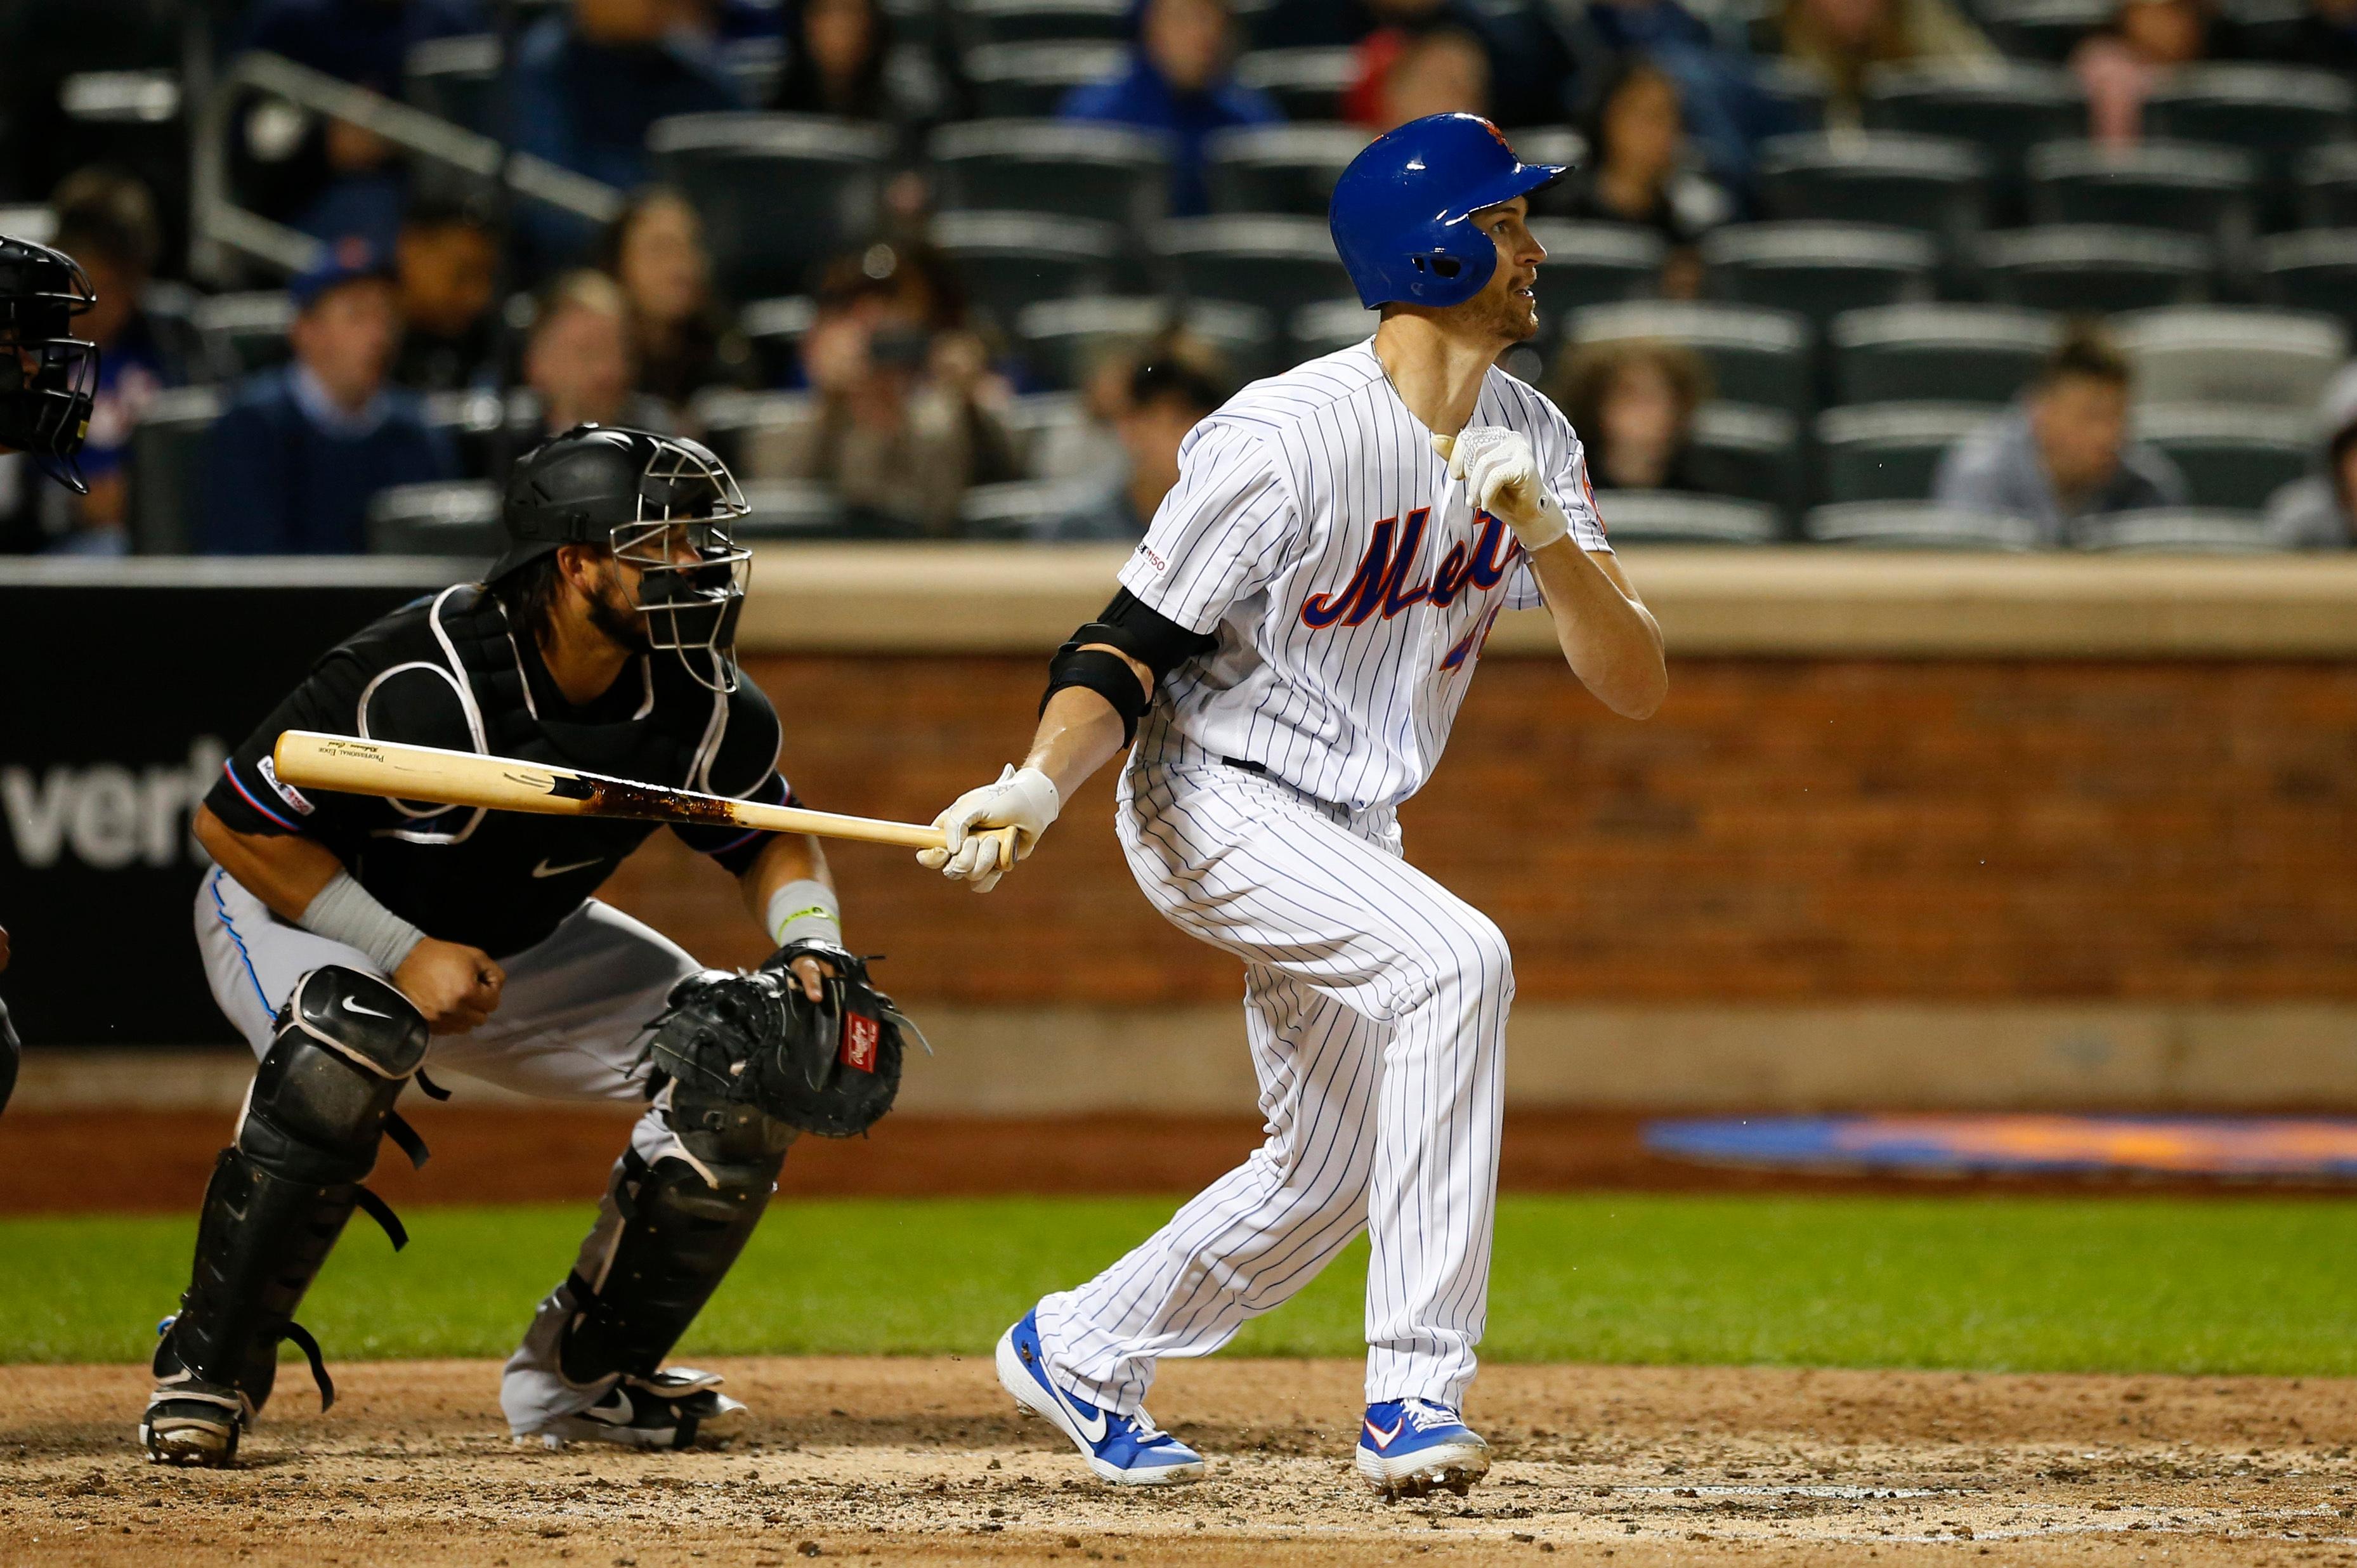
[
  {"x": 1289, "y": 646},
  {"x": 354, "y": 940}
]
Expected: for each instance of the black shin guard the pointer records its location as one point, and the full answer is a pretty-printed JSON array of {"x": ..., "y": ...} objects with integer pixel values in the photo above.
[
  {"x": 685, "y": 1219},
  {"x": 280, "y": 1195}
]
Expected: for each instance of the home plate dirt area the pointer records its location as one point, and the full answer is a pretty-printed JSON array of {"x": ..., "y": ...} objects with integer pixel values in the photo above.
[{"x": 925, "y": 1460}]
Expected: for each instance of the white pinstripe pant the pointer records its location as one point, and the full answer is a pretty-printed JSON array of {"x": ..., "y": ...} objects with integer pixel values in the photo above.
[{"x": 1375, "y": 1004}]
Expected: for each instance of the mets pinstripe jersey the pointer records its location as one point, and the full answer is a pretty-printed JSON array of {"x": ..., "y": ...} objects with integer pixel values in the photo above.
[{"x": 1350, "y": 581}]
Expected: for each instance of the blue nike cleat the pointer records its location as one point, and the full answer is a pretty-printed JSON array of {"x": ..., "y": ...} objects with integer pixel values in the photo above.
[
  {"x": 1128, "y": 1451},
  {"x": 1410, "y": 1447}
]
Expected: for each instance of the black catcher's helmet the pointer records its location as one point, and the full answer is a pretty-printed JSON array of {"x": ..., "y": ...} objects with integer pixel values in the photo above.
[
  {"x": 48, "y": 376},
  {"x": 660, "y": 503}
]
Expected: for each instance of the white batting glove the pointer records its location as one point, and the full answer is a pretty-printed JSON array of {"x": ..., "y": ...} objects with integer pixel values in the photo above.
[
  {"x": 1023, "y": 800},
  {"x": 1502, "y": 473}
]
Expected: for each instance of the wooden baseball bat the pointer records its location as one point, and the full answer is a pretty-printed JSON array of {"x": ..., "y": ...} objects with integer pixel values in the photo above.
[{"x": 310, "y": 761}]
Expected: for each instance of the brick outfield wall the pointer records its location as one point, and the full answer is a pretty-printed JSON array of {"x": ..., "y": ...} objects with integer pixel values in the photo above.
[{"x": 1782, "y": 832}]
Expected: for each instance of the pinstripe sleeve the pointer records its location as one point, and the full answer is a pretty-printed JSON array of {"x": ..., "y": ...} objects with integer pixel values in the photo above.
[{"x": 1220, "y": 533}]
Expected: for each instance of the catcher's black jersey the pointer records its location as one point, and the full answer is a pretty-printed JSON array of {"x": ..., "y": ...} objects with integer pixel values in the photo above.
[{"x": 448, "y": 672}]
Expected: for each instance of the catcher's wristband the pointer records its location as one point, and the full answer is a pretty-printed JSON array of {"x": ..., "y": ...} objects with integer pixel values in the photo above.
[
  {"x": 344, "y": 911},
  {"x": 801, "y": 910}
]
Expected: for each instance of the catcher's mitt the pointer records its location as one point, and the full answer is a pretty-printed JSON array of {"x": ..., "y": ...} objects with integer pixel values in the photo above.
[{"x": 830, "y": 1067}]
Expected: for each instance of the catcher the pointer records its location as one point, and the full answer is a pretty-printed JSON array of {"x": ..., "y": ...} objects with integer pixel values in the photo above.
[{"x": 355, "y": 942}]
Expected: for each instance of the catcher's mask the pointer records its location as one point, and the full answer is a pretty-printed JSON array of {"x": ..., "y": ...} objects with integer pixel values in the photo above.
[
  {"x": 662, "y": 503},
  {"x": 48, "y": 377}
]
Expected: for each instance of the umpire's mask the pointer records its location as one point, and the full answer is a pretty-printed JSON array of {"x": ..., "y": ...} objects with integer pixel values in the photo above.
[
  {"x": 48, "y": 377},
  {"x": 662, "y": 503}
]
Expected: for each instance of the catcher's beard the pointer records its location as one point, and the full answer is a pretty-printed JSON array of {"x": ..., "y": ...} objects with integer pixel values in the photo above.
[{"x": 612, "y": 613}]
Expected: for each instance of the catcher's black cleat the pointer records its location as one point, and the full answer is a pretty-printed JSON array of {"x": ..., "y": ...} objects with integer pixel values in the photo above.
[
  {"x": 189, "y": 1421},
  {"x": 677, "y": 1408}
]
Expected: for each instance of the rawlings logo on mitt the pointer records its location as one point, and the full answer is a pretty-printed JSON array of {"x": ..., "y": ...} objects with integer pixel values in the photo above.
[{"x": 830, "y": 1067}]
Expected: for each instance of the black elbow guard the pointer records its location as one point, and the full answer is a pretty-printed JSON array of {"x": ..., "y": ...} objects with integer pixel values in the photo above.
[{"x": 1146, "y": 635}]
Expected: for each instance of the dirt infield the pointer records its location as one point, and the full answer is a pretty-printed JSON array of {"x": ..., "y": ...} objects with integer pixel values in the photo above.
[
  {"x": 923, "y": 1460},
  {"x": 157, "y": 1160}
]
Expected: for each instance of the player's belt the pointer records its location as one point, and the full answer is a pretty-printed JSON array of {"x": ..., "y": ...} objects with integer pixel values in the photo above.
[{"x": 1240, "y": 765}]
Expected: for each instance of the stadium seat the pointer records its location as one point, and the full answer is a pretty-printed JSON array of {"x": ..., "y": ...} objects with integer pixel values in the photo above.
[
  {"x": 1057, "y": 335},
  {"x": 1594, "y": 264},
  {"x": 1032, "y": 419},
  {"x": 739, "y": 425},
  {"x": 775, "y": 328},
  {"x": 2005, "y": 109},
  {"x": 2179, "y": 186},
  {"x": 2328, "y": 187},
  {"x": 1937, "y": 353},
  {"x": 168, "y": 468},
  {"x": 470, "y": 420},
  {"x": 2275, "y": 111},
  {"x": 2175, "y": 531},
  {"x": 1934, "y": 185},
  {"x": 1548, "y": 144},
  {"x": 244, "y": 332},
  {"x": 1818, "y": 269},
  {"x": 982, "y": 22},
  {"x": 2238, "y": 354},
  {"x": 2232, "y": 455},
  {"x": 1756, "y": 356},
  {"x": 2313, "y": 270},
  {"x": 1751, "y": 453},
  {"x": 453, "y": 79},
  {"x": 1278, "y": 263},
  {"x": 1082, "y": 170},
  {"x": 778, "y": 193},
  {"x": 1321, "y": 329},
  {"x": 2045, "y": 30},
  {"x": 1028, "y": 81},
  {"x": 1797, "y": 92},
  {"x": 458, "y": 519},
  {"x": 1918, "y": 525},
  {"x": 1279, "y": 168},
  {"x": 1009, "y": 260},
  {"x": 1025, "y": 508},
  {"x": 2083, "y": 267},
  {"x": 31, "y": 221},
  {"x": 799, "y": 509},
  {"x": 1309, "y": 85},
  {"x": 1674, "y": 517},
  {"x": 1890, "y": 451}
]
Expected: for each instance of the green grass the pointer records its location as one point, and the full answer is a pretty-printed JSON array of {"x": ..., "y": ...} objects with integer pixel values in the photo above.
[{"x": 2027, "y": 1285}]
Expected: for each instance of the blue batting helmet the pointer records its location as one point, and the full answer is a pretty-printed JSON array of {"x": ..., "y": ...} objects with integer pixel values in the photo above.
[{"x": 1400, "y": 211}]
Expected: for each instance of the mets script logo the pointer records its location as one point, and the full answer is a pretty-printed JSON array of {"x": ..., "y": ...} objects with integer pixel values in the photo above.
[{"x": 1380, "y": 585}]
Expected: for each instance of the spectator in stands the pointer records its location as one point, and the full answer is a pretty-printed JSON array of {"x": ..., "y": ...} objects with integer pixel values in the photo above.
[
  {"x": 2319, "y": 512},
  {"x": 1839, "y": 39},
  {"x": 446, "y": 266},
  {"x": 1637, "y": 172},
  {"x": 1633, "y": 403},
  {"x": 1537, "y": 53},
  {"x": 1404, "y": 77},
  {"x": 2120, "y": 65},
  {"x": 589, "y": 81},
  {"x": 301, "y": 448},
  {"x": 905, "y": 422},
  {"x": 351, "y": 179},
  {"x": 577, "y": 359},
  {"x": 837, "y": 59},
  {"x": 1726, "y": 114},
  {"x": 107, "y": 222},
  {"x": 1167, "y": 398},
  {"x": 2064, "y": 453},
  {"x": 682, "y": 341},
  {"x": 1177, "y": 82}
]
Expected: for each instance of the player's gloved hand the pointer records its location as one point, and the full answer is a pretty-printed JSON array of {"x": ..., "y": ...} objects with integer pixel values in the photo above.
[
  {"x": 1502, "y": 473},
  {"x": 455, "y": 986},
  {"x": 1025, "y": 799}
]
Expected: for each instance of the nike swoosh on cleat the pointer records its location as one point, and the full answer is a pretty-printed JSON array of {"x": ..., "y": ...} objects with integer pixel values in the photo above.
[
  {"x": 352, "y": 1006},
  {"x": 544, "y": 869},
  {"x": 1383, "y": 1439},
  {"x": 612, "y": 1417}
]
